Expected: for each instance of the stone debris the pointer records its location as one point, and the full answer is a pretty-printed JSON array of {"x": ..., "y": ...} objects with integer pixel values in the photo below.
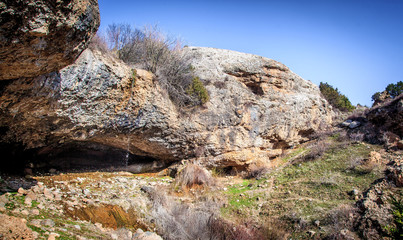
[
  {"x": 350, "y": 124},
  {"x": 64, "y": 198}
]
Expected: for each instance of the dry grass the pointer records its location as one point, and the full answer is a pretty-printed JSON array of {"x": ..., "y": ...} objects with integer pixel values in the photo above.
[
  {"x": 176, "y": 220},
  {"x": 194, "y": 176}
]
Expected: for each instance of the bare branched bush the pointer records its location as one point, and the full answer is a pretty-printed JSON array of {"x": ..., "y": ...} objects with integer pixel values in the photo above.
[
  {"x": 152, "y": 50},
  {"x": 342, "y": 136},
  {"x": 357, "y": 137},
  {"x": 355, "y": 162},
  {"x": 317, "y": 150},
  {"x": 298, "y": 222},
  {"x": 178, "y": 221},
  {"x": 224, "y": 230},
  {"x": 342, "y": 222},
  {"x": 274, "y": 230},
  {"x": 256, "y": 171},
  {"x": 193, "y": 175},
  {"x": 98, "y": 42},
  {"x": 329, "y": 180}
]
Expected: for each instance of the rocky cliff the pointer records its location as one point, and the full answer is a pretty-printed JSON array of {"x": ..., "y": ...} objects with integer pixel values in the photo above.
[
  {"x": 38, "y": 37},
  {"x": 98, "y": 110}
]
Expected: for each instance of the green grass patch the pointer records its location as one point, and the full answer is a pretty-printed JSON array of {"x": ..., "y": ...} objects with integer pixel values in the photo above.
[
  {"x": 310, "y": 189},
  {"x": 36, "y": 229}
]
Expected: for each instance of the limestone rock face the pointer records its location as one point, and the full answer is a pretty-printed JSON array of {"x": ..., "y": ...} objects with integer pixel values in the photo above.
[
  {"x": 38, "y": 37},
  {"x": 257, "y": 108}
]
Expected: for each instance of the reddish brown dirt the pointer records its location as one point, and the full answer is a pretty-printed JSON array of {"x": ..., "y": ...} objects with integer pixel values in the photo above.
[
  {"x": 14, "y": 228},
  {"x": 108, "y": 215}
]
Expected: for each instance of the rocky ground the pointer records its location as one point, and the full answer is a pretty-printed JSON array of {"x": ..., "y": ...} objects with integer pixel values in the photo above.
[
  {"x": 341, "y": 194},
  {"x": 80, "y": 206}
]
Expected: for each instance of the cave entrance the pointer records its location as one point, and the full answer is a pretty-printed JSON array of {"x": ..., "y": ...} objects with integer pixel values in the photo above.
[{"x": 74, "y": 157}]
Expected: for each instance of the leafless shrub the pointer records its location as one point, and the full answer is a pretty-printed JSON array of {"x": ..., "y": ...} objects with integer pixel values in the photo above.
[
  {"x": 317, "y": 150},
  {"x": 256, "y": 171},
  {"x": 175, "y": 220},
  {"x": 323, "y": 132},
  {"x": 193, "y": 175},
  {"x": 329, "y": 180},
  {"x": 222, "y": 229},
  {"x": 152, "y": 50},
  {"x": 341, "y": 222},
  {"x": 342, "y": 136},
  {"x": 355, "y": 162},
  {"x": 275, "y": 232},
  {"x": 357, "y": 137},
  {"x": 299, "y": 223},
  {"x": 98, "y": 42},
  {"x": 179, "y": 221}
]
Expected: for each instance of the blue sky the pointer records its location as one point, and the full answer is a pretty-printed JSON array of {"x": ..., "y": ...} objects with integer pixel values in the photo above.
[{"x": 355, "y": 45}]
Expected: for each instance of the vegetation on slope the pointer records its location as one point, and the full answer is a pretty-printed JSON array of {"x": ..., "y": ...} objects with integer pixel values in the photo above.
[
  {"x": 150, "y": 49},
  {"x": 393, "y": 90},
  {"x": 335, "y": 98},
  {"x": 303, "y": 197}
]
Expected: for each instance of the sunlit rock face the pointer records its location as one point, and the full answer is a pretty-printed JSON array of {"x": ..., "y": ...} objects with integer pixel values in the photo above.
[
  {"x": 38, "y": 37},
  {"x": 257, "y": 108}
]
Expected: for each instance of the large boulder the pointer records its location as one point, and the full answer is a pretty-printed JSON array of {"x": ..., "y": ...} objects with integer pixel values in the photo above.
[
  {"x": 99, "y": 108},
  {"x": 39, "y": 37}
]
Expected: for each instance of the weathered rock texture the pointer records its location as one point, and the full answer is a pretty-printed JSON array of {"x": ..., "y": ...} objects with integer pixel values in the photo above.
[
  {"x": 38, "y": 37},
  {"x": 388, "y": 116},
  {"x": 258, "y": 107}
]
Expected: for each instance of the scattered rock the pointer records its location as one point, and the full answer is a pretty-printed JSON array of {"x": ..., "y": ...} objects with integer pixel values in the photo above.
[
  {"x": 375, "y": 157},
  {"x": 53, "y": 236},
  {"x": 350, "y": 124},
  {"x": 311, "y": 233},
  {"x": 48, "y": 222},
  {"x": 141, "y": 235},
  {"x": 86, "y": 192},
  {"x": 48, "y": 194},
  {"x": 35, "y": 212},
  {"x": 31, "y": 195},
  {"x": 22, "y": 191},
  {"x": 28, "y": 201},
  {"x": 354, "y": 124},
  {"x": 346, "y": 123},
  {"x": 36, "y": 222},
  {"x": 25, "y": 212}
]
